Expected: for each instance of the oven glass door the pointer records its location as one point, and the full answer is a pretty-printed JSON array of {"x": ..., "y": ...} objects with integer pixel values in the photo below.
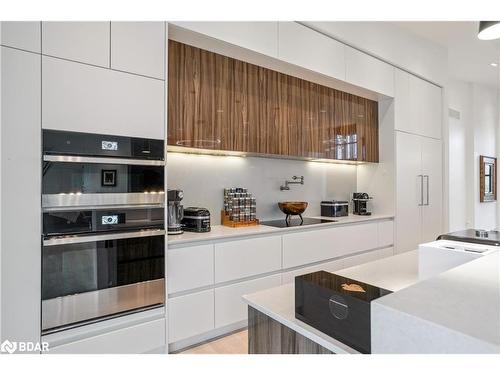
[{"x": 91, "y": 280}]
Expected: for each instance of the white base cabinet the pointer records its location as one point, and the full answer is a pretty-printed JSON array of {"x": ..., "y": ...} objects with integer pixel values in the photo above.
[{"x": 206, "y": 282}]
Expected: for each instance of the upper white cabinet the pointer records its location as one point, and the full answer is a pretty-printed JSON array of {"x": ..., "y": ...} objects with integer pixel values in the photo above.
[
  {"x": 260, "y": 37},
  {"x": 86, "y": 42},
  {"x": 139, "y": 47},
  {"x": 299, "y": 45},
  {"x": 368, "y": 72},
  {"x": 80, "y": 97},
  {"x": 418, "y": 105},
  {"x": 21, "y": 34}
]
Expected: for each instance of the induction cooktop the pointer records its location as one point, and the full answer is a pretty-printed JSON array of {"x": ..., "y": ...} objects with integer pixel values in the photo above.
[{"x": 295, "y": 222}]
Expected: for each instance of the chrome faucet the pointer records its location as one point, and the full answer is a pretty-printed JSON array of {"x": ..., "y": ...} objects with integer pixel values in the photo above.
[{"x": 295, "y": 180}]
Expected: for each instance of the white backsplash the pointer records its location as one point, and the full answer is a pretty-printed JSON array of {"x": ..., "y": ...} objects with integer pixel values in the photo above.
[{"x": 203, "y": 178}]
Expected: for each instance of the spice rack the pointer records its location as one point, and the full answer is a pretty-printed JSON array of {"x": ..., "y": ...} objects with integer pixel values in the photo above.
[{"x": 239, "y": 208}]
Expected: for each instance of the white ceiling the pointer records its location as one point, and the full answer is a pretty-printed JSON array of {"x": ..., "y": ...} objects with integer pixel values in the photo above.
[{"x": 468, "y": 57}]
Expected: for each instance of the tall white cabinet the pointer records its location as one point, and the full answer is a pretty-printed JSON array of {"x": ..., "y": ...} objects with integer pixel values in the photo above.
[{"x": 419, "y": 165}]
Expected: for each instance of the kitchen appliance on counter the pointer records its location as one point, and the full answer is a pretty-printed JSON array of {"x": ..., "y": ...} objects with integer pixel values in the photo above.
[
  {"x": 99, "y": 263},
  {"x": 196, "y": 219},
  {"x": 478, "y": 236},
  {"x": 296, "y": 222},
  {"x": 334, "y": 208},
  {"x": 175, "y": 211},
  {"x": 360, "y": 203},
  {"x": 337, "y": 306},
  {"x": 81, "y": 169}
]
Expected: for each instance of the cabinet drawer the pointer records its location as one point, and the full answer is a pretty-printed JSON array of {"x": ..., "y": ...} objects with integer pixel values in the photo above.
[
  {"x": 137, "y": 339},
  {"x": 190, "y": 267},
  {"x": 314, "y": 246},
  {"x": 238, "y": 259},
  {"x": 299, "y": 45},
  {"x": 368, "y": 72},
  {"x": 84, "y": 98},
  {"x": 336, "y": 265},
  {"x": 385, "y": 233},
  {"x": 190, "y": 315},
  {"x": 86, "y": 42},
  {"x": 229, "y": 306}
]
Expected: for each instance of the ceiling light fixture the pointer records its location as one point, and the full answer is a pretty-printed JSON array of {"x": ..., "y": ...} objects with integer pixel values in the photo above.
[
  {"x": 493, "y": 64},
  {"x": 489, "y": 30}
]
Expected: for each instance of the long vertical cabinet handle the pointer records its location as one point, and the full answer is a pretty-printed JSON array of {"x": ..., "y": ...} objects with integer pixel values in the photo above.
[
  {"x": 427, "y": 190},
  {"x": 421, "y": 189}
]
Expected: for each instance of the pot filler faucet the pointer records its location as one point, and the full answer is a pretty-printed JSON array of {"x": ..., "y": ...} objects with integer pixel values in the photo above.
[{"x": 295, "y": 180}]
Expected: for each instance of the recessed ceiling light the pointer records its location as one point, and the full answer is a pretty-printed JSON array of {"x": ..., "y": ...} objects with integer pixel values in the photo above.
[
  {"x": 489, "y": 30},
  {"x": 494, "y": 64}
]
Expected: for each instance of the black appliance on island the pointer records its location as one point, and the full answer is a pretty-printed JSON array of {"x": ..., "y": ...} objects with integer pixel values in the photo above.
[
  {"x": 479, "y": 236},
  {"x": 196, "y": 219},
  {"x": 360, "y": 203},
  {"x": 337, "y": 306},
  {"x": 334, "y": 208}
]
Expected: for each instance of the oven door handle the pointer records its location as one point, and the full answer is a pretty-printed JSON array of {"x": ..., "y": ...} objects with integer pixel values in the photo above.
[
  {"x": 101, "y": 160},
  {"x": 67, "y": 240}
]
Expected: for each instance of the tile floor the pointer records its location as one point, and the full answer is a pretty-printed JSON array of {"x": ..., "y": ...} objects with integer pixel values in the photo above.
[{"x": 236, "y": 343}]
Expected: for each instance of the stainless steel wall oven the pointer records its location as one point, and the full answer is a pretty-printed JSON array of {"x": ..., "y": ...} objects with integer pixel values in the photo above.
[{"x": 103, "y": 250}]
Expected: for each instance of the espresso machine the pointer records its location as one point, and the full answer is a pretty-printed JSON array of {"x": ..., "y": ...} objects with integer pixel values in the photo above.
[
  {"x": 360, "y": 203},
  {"x": 175, "y": 211}
]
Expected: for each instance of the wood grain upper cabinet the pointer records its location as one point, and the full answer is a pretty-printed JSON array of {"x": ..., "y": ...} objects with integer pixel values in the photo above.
[
  {"x": 86, "y": 42},
  {"x": 24, "y": 35},
  {"x": 368, "y": 72},
  {"x": 260, "y": 37},
  {"x": 84, "y": 98},
  {"x": 139, "y": 47},
  {"x": 418, "y": 106},
  {"x": 302, "y": 46}
]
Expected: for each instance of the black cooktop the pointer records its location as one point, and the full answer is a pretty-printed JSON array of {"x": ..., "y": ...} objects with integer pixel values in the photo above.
[
  {"x": 295, "y": 222},
  {"x": 482, "y": 237}
]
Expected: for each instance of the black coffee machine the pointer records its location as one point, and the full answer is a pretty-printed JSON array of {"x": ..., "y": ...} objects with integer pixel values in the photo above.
[{"x": 360, "y": 202}]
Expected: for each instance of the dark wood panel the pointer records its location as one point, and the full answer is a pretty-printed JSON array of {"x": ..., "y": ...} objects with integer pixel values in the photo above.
[
  {"x": 267, "y": 336},
  {"x": 222, "y": 103}
]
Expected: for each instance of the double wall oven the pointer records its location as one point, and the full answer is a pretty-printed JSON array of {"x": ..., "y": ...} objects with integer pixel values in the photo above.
[{"x": 103, "y": 252}]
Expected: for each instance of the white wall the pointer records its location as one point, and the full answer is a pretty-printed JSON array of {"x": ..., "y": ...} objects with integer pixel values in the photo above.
[
  {"x": 473, "y": 134},
  {"x": 203, "y": 178}
]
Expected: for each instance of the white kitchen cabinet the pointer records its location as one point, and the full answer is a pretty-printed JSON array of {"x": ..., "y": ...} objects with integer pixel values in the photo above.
[
  {"x": 314, "y": 246},
  {"x": 385, "y": 233},
  {"x": 190, "y": 267},
  {"x": 136, "y": 339},
  {"x": 419, "y": 190},
  {"x": 24, "y": 35},
  {"x": 84, "y": 98},
  {"x": 139, "y": 47},
  {"x": 190, "y": 315},
  {"x": 260, "y": 37},
  {"x": 302, "y": 46},
  {"x": 229, "y": 306},
  {"x": 369, "y": 72},
  {"x": 20, "y": 195},
  {"x": 418, "y": 106},
  {"x": 86, "y": 42},
  {"x": 239, "y": 259},
  {"x": 335, "y": 265}
]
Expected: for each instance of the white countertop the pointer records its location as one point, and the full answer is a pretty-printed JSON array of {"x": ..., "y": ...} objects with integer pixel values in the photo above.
[
  {"x": 464, "y": 300},
  {"x": 279, "y": 302},
  {"x": 219, "y": 232}
]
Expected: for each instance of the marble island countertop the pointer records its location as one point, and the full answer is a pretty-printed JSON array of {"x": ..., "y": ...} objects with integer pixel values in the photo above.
[
  {"x": 219, "y": 232},
  {"x": 457, "y": 311}
]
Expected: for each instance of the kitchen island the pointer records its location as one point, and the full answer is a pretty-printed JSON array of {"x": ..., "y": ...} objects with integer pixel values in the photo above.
[{"x": 457, "y": 311}]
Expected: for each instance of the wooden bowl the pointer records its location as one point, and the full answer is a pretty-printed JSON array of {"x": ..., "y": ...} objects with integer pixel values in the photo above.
[{"x": 292, "y": 208}]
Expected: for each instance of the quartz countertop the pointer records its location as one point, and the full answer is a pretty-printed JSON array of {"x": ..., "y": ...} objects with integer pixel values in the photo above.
[
  {"x": 464, "y": 300},
  {"x": 279, "y": 302},
  {"x": 220, "y": 232}
]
